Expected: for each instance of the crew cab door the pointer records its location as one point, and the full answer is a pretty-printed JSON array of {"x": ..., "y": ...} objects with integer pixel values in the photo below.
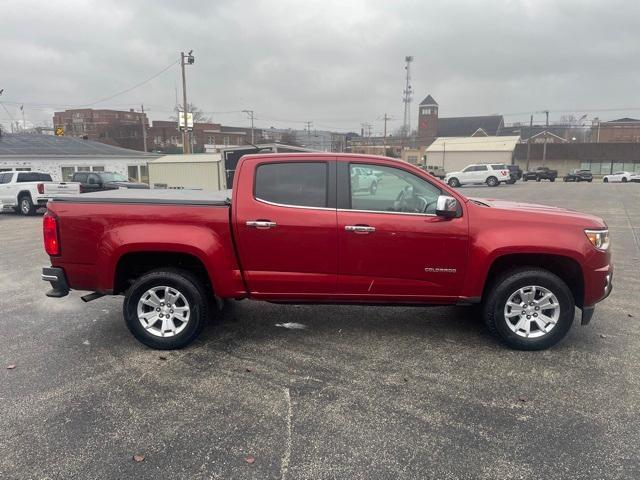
[
  {"x": 391, "y": 245},
  {"x": 286, "y": 228}
]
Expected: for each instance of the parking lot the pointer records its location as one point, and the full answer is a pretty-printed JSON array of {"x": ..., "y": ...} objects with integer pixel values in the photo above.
[{"x": 361, "y": 392}]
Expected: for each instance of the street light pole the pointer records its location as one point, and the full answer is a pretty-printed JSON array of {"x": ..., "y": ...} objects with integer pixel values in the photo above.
[
  {"x": 250, "y": 113},
  {"x": 186, "y": 140}
]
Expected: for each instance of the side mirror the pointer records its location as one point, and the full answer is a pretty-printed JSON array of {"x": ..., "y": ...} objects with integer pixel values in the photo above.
[{"x": 447, "y": 207}]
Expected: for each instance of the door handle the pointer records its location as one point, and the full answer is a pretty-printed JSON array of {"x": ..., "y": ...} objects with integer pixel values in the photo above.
[
  {"x": 360, "y": 229},
  {"x": 261, "y": 224}
]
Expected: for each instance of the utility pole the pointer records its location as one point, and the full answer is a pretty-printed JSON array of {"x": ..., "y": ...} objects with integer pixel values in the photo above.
[
  {"x": 384, "y": 135},
  {"x": 144, "y": 129},
  {"x": 250, "y": 113},
  {"x": 529, "y": 141},
  {"x": 186, "y": 140},
  {"x": 544, "y": 146},
  {"x": 408, "y": 92},
  {"x": 308, "y": 128}
]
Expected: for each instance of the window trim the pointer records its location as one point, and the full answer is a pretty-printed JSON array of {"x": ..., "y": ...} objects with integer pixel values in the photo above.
[
  {"x": 330, "y": 196},
  {"x": 347, "y": 176}
]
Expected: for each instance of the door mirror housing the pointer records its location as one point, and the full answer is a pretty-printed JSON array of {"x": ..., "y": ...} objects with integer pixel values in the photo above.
[{"x": 447, "y": 207}]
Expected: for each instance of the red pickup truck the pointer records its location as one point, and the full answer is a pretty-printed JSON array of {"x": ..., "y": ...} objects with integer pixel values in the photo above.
[{"x": 296, "y": 228}]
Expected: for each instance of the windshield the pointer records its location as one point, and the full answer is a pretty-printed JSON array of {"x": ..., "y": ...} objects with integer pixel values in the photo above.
[{"x": 113, "y": 177}]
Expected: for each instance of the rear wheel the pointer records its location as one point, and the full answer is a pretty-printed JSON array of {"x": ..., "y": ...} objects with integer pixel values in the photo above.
[
  {"x": 624, "y": 179},
  {"x": 538, "y": 179},
  {"x": 166, "y": 309},
  {"x": 492, "y": 182},
  {"x": 454, "y": 182},
  {"x": 552, "y": 179},
  {"x": 26, "y": 205},
  {"x": 524, "y": 178},
  {"x": 529, "y": 309},
  {"x": 605, "y": 180},
  {"x": 511, "y": 181}
]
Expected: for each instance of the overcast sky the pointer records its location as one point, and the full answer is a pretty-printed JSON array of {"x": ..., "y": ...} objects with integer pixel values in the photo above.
[{"x": 336, "y": 63}]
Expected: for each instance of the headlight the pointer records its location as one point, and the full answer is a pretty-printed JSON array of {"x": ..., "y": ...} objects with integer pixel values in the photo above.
[{"x": 598, "y": 238}]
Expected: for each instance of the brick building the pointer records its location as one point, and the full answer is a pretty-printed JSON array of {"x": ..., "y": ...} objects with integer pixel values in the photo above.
[
  {"x": 623, "y": 130},
  {"x": 165, "y": 136},
  {"x": 113, "y": 127}
]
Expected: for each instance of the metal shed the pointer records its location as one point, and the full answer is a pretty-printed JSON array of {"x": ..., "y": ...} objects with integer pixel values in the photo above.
[{"x": 204, "y": 171}]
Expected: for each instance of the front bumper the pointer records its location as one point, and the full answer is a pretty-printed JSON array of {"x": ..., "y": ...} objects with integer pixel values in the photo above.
[
  {"x": 56, "y": 277},
  {"x": 587, "y": 311}
]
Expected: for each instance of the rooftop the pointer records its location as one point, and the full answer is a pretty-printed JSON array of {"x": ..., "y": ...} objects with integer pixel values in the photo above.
[
  {"x": 473, "y": 144},
  {"x": 466, "y": 126},
  {"x": 30, "y": 145}
]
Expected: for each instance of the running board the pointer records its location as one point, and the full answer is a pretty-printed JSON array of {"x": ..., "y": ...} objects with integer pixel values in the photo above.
[{"x": 91, "y": 296}]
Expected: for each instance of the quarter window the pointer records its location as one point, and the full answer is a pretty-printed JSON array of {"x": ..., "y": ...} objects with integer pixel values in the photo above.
[
  {"x": 301, "y": 184},
  {"x": 387, "y": 189}
]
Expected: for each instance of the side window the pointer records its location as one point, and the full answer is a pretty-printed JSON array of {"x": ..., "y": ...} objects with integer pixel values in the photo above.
[
  {"x": 5, "y": 177},
  {"x": 469, "y": 169},
  {"x": 94, "y": 179},
  {"x": 80, "y": 177},
  {"x": 388, "y": 189},
  {"x": 481, "y": 168},
  {"x": 302, "y": 184}
]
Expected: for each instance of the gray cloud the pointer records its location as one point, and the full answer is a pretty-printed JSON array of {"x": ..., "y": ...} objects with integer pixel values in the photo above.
[{"x": 336, "y": 63}]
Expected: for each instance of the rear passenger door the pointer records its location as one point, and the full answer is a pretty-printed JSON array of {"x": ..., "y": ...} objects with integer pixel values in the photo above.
[
  {"x": 5, "y": 196},
  {"x": 285, "y": 225}
]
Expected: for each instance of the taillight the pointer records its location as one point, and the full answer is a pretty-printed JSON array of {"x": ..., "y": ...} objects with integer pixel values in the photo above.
[
  {"x": 41, "y": 188},
  {"x": 50, "y": 234}
]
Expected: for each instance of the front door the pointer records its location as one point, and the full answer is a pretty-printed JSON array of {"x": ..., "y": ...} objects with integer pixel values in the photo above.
[
  {"x": 285, "y": 220},
  {"x": 391, "y": 245}
]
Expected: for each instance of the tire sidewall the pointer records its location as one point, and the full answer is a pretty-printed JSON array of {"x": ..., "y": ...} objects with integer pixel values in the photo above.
[
  {"x": 505, "y": 288},
  {"x": 492, "y": 182},
  {"x": 454, "y": 182},
  {"x": 188, "y": 287},
  {"x": 26, "y": 201}
]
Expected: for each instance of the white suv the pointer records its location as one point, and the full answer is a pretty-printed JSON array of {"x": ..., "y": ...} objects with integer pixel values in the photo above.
[{"x": 491, "y": 174}]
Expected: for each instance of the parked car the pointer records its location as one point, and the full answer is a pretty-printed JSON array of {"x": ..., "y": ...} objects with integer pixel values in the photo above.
[
  {"x": 491, "y": 174},
  {"x": 515, "y": 173},
  {"x": 25, "y": 192},
  {"x": 578, "y": 175},
  {"x": 292, "y": 231},
  {"x": 100, "y": 181},
  {"x": 540, "y": 173},
  {"x": 435, "y": 170},
  {"x": 623, "y": 177},
  {"x": 364, "y": 180}
]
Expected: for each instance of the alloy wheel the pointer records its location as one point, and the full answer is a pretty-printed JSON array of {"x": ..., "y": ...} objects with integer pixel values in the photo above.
[
  {"x": 532, "y": 311},
  {"x": 163, "y": 311}
]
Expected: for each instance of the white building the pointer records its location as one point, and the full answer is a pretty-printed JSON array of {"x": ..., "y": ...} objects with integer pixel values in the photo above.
[
  {"x": 454, "y": 153},
  {"x": 203, "y": 171},
  {"x": 62, "y": 156}
]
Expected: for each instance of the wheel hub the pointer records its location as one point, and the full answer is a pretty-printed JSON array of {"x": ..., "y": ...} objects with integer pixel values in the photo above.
[
  {"x": 163, "y": 311},
  {"x": 532, "y": 311}
]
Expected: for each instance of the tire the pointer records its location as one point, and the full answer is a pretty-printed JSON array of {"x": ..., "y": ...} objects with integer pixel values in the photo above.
[
  {"x": 538, "y": 179},
  {"x": 590, "y": 180},
  {"x": 552, "y": 179},
  {"x": 26, "y": 206},
  {"x": 624, "y": 179},
  {"x": 510, "y": 182},
  {"x": 373, "y": 188},
  {"x": 605, "y": 180},
  {"x": 454, "y": 182},
  {"x": 192, "y": 296},
  {"x": 524, "y": 179},
  {"x": 577, "y": 180},
  {"x": 492, "y": 182},
  {"x": 526, "y": 278}
]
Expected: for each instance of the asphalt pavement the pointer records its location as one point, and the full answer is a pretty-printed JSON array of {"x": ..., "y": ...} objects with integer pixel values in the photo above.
[{"x": 359, "y": 393}]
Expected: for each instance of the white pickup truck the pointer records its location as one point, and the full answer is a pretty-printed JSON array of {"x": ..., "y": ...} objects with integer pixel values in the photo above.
[{"x": 25, "y": 192}]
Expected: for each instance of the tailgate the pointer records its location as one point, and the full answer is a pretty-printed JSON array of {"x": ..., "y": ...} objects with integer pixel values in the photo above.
[{"x": 64, "y": 188}]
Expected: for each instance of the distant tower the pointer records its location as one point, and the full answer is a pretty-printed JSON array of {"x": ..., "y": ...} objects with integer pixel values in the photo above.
[
  {"x": 408, "y": 95},
  {"x": 428, "y": 120}
]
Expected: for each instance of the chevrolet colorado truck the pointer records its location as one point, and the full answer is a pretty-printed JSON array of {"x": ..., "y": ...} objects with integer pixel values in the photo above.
[
  {"x": 293, "y": 229},
  {"x": 540, "y": 173}
]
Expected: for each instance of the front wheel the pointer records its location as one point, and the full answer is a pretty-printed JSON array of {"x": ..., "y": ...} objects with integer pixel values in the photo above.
[
  {"x": 492, "y": 182},
  {"x": 529, "y": 309},
  {"x": 454, "y": 182},
  {"x": 524, "y": 179},
  {"x": 624, "y": 179},
  {"x": 552, "y": 179},
  {"x": 166, "y": 309},
  {"x": 605, "y": 180}
]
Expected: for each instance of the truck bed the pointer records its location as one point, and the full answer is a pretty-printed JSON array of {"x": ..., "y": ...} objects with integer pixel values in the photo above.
[{"x": 155, "y": 196}]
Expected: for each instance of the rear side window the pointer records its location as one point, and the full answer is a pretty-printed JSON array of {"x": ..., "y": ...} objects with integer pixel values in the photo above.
[
  {"x": 302, "y": 184},
  {"x": 500, "y": 166},
  {"x": 5, "y": 177},
  {"x": 80, "y": 177},
  {"x": 480, "y": 168},
  {"x": 33, "y": 177}
]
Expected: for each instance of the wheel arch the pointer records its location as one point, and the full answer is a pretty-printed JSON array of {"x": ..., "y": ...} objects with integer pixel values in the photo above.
[{"x": 566, "y": 268}]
